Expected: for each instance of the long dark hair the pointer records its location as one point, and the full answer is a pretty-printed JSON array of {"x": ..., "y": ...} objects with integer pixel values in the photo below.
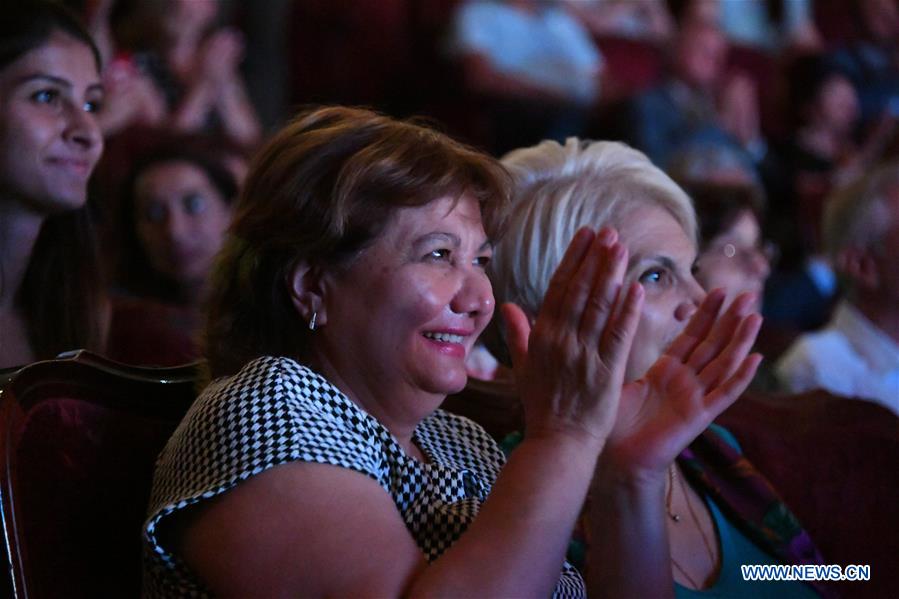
[
  {"x": 62, "y": 294},
  {"x": 27, "y": 25}
]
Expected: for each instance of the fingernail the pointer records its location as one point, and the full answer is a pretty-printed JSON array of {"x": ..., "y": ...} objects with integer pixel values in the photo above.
[
  {"x": 608, "y": 235},
  {"x": 584, "y": 234},
  {"x": 616, "y": 251}
]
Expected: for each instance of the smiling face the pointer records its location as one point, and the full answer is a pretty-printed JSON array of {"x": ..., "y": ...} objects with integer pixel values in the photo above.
[
  {"x": 661, "y": 258},
  {"x": 401, "y": 318},
  {"x": 735, "y": 260},
  {"x": 49, "y": 137},
  {"x": 180, "y": 218}
]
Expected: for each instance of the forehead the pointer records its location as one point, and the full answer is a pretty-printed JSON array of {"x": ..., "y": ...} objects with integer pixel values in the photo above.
[
  {"x": 703, "y": 37},
  {"x": 448, "y": 214},
  {"x": 744, "y": 225},
  {"x": 648, "y": 230},
  {"x": 61, "y": 56},
  {"x": 165, "y": 177}
]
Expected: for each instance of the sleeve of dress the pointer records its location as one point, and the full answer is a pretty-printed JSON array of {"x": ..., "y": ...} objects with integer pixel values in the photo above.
[{"x": 272, "y": 412}]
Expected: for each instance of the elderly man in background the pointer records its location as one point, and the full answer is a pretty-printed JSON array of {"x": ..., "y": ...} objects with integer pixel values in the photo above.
[{"x": 857, "y": 353}]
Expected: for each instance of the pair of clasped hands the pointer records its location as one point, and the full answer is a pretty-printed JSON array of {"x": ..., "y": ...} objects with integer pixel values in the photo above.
[{"x": 570, "y": 364}]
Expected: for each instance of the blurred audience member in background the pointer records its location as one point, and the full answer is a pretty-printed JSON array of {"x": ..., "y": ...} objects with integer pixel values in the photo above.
[
  {"x": 534, "y": 63},
  {"x": 733, "y": 255},
  {"x": 646, "y": 20},
  {"x": 872, "y": 62},
  {"x": 175, "y": 69},
  {"x": 826, "y": 119},
  {"x": 770, "y": 26},
  {"x": 51, "y": 299},
  {"x": 175, "y": 210},
  {"x": 823, "y": 153},
  {"x": 713, "y": 163},
  {"x": 698, "y": 101},
  {"x": 857, "y": 353}
]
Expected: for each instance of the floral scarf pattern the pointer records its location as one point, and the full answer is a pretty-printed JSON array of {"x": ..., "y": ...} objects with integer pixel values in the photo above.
[{"x": 749, "y": 501}]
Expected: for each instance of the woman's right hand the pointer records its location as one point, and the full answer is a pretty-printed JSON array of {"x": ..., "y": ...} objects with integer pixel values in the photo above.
[
  {"x": 570, "y": 366},
  {"x": 703, "y": 371}
]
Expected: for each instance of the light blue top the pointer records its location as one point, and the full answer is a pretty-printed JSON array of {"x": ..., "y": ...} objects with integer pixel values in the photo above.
[
  {"x": 746, "y": 22},
  {"x": 737, "y": 550},
  {"x": 548, "y": 47}
]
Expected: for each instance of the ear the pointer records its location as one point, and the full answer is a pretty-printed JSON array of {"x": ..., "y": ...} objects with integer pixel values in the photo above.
[
  {"x": 305, "y": 285},
  {"x": 860, "y": 266}
]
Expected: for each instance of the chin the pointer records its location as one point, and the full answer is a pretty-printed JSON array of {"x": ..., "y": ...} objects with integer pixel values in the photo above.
[
  {"x": 450, "y": 383},
  {"x": 65, "y": 201}
]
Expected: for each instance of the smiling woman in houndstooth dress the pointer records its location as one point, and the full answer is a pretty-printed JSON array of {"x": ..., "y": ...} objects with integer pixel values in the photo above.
[{"x": 345, "y": 301}]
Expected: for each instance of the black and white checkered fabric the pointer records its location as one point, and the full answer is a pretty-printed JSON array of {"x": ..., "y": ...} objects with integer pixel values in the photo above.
[{"x": 276, "y": 411}]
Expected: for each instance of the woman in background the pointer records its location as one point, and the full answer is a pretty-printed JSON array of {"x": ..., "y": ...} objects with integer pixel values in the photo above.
[
  {"x": 176, "y": 207},
  {"x": 177, "y": 69},
  {"x": 174, "y": 211},
  {"x": 51, "y": 299},
  {"x": 733, "y": 255}
]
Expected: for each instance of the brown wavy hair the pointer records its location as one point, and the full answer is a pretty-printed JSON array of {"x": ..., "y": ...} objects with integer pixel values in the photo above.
[{"x": 321, "y": 190}]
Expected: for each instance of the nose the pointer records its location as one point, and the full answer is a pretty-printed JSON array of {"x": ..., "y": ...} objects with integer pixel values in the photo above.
[
  {"x": 82, "y": 129},
  {"x": 692, "y": 296},
  {"x": 174, "y": 227},
  {"x": 758, "y": 264},
  {"x": 475, "y": 295}
]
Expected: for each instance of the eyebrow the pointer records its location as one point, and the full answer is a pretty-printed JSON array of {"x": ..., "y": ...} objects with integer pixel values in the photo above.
[
  {"x": 452, "y": 238},
  {"x": 58, "y": 81},
  {"x": 665, "y": 261}
]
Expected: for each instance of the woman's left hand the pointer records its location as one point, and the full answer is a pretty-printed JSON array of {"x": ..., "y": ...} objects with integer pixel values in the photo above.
[{"x": 702, "y": 373}]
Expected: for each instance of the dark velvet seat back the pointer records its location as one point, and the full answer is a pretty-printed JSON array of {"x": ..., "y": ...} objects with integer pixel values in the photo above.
[
  {"x": 79, "y": 440},
  {"x": 835, "y": 461}
]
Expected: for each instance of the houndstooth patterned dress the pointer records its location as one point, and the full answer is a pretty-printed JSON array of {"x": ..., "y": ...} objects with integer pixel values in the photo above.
[{"x": 276, "y": 411}]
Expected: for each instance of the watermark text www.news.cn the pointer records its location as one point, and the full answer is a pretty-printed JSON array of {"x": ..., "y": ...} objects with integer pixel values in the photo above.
[{"x": 805, "y": 572}]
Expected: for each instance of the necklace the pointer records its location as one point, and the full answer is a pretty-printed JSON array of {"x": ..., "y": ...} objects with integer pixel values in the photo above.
[
  {"x": 684, "y": 574},
  {"x": 676, "y": 518},
  {"x": 673, "y": 516},
  {"x": 705, "y": 540}
]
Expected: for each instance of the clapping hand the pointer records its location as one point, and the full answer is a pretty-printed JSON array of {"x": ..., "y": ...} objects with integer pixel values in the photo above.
[
  {"x": 702, "y": 373},
  {"x": 220, "y": 56},
  {"x": 570, "y": 365}
]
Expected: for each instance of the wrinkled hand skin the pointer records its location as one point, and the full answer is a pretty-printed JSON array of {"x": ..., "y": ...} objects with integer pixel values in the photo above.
[
  {"x": 570, "y": 366},
  {"x": 703, "y": 372}
]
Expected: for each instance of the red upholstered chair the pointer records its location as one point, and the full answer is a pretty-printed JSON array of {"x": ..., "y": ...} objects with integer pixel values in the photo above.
[
  {"x": 633, "y": 66},
  {"x": 79, "y": 439},
  {"x": 835, "y": 461}
]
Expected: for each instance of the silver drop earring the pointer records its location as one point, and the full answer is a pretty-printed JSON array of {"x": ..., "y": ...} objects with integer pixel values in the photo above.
[{"x": 312, "y": 321}]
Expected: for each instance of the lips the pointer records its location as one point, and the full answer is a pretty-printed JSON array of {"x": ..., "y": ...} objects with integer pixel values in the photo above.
[
  {"x": 76, "y": 166},
  {"x": 450, "y": 342}
]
